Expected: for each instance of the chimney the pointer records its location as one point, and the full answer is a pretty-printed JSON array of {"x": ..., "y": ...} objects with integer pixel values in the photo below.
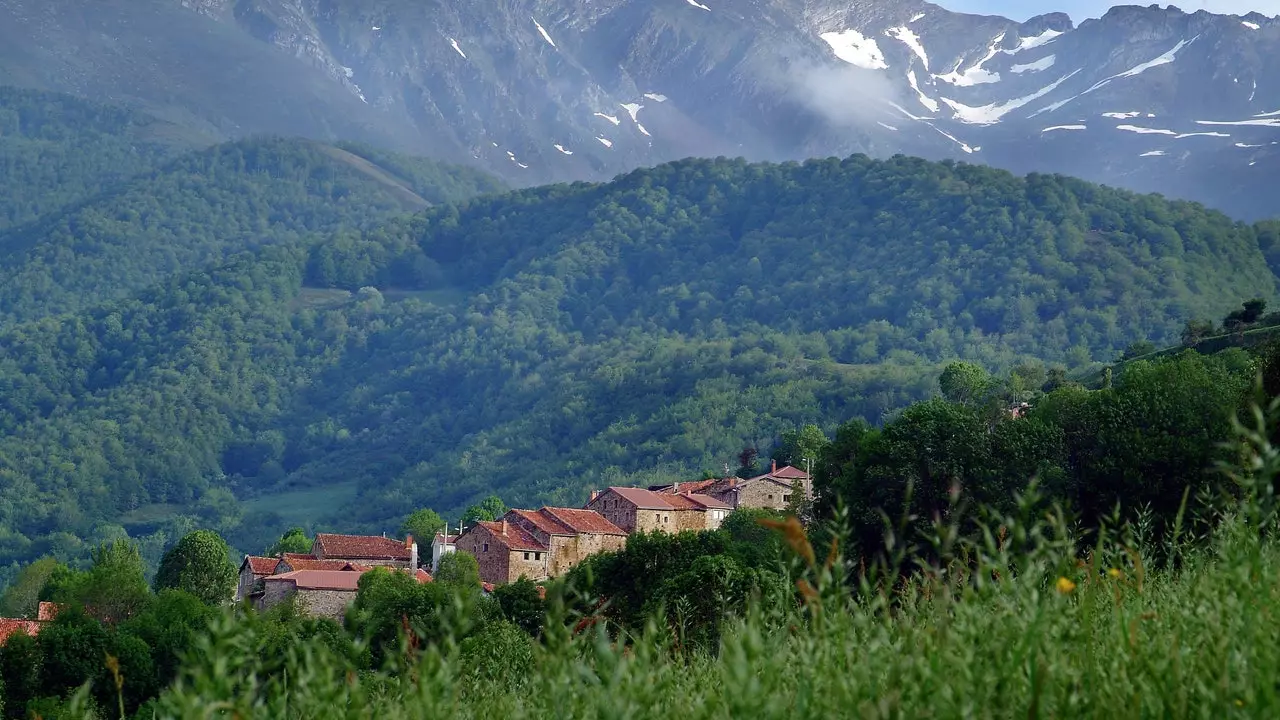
[
  {"x": 733, "y": 482},
  {"x": 504, "y": 526},
  {"x": 775, "y": 468},
  {"x": 410, "y": 543},
  {"x": 676, "y": 487},
  {"x": 594, "y": 495}
]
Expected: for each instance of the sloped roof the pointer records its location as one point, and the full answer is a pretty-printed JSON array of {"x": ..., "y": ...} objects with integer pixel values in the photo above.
[
  {"x": 512, "y": 536},
  {"x": 694, "y": 501},
  {"x": 693, "y": 486},
  {"x": 334, "y": 579},
  {"x": 320, "y": 579},
  {"x": 9, "y": 626},
  {"x": 259, "y": 565},
  {"x": 583, "y": 521},
  {"x": 542, "y": 521},
  {"x": 362, "y": 547},
  {"x": 313, "y": 564},
  {"x": 643, "y": 499},
  {"x": 786, "y": 474}
]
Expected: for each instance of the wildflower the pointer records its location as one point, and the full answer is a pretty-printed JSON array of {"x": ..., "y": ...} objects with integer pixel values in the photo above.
[
  {"x": 1114, "y": 573},
  {"x": 1065, "y": 586}
]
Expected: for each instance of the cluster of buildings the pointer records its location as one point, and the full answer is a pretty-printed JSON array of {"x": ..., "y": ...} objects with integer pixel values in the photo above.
[{"x": 537, "y": 544}]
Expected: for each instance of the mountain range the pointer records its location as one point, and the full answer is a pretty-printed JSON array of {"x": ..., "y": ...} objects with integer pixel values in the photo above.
[{"x": 1146, "y": 98}]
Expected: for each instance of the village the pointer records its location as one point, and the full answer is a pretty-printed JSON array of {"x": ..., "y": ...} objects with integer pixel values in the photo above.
[{"x": 534, "y": 544}]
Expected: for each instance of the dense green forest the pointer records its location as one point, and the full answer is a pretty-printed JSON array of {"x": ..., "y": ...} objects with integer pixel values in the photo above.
[{"x": 283, "y": 345}]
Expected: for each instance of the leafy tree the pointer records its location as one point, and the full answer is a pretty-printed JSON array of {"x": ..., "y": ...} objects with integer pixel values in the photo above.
[
  {"x": 458, "y": 570},
  {"x": 489, "y": 509},
  {"x": 501, "y": 654},
  {"x": 22, "y": 598},
  {"x": 747, "y": 462},
  {"x": 199, "y": 564},
  {"x": 1138, "y": 349},
  {"x": 1195, "y": 331},
  {"x": 750, "y": 543},
  {"x": 74, "y": 649},
  {"x": 169, "y": 627},
  {"x": 21, "y": 665},
  {"x": 801, "y": 448},
  {"x": 423, "y": 525},
  {"x": 293, "y": 541},
  {"x": 522, "y": 605},
  {"x": 966, "y": 383},
  {"x": 115, "y": 587}
]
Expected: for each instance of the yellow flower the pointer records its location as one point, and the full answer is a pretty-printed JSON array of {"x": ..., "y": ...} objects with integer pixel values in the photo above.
[
  {"x": 1114, "y": 573},
  {"x": 1065, "y": 586}
]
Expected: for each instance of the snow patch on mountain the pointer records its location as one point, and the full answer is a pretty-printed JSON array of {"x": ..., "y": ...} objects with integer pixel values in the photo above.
[
  {"x": 543, "y": 30},
  {"x": 561, "y": 149},
  {"x": 605, "y": 142},
  {"x": 698, "y": 5},
  {"x": 953, "y": 139},
  {"x": 454, "y": 43},
  {"x": 1251, "y": 26},
  {"x": 925, "y": 100},
  {"x": 611, "y": 118},
  {"x": 1064, "y": 127},
  {"x": 1035, "y": 41},
  {"x": 1145, "y": 131},
  {"x": 1203, "y": 134},
  {"x": 916, "y": 17},
  {"x": 1121, "y": 115},
  {"x": 656, "y": 97},
  {"x": 1163, "y": 59},
  {"x": 990, "y": 114},
  {"x": 632, "y": 109},
  {"x": 1043, "y": 63},
  {"x": 911, "y": 40},
  {"x": 1152, "y": 153},
  {"x": 854, "y": 48},
  {"x": 975, "y": 75}
]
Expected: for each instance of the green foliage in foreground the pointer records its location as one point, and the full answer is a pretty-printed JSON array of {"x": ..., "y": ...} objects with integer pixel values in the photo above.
[{"x": 1025, "y": 625}]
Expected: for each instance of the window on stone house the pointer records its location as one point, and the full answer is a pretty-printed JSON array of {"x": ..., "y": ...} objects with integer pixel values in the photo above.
[
  {"x": 771, "y": 497},
  {"x": 537, "y": 556},
  {"x": 666, "y": 518},
  {"x": 786, "y": 498},
  {"x": 657, "y": 517},
  {"x": 486, "y": 547},
  {"x": 526, "y": 556}
]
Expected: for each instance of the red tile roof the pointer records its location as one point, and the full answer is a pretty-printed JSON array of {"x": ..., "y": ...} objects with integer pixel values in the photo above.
[
  {"x": 583, "y": 521},
  {"x": 312, "y": 564},
  {"x": 47, "y": 611},
  {"x": 541, "y": 521},
  {"x": 298, "y": 556},
  {"x": 260, "y": 565},
  {"x": 643, "y": 499},
  {"x": 360, "y": 547},
  {"x": 9, "y": 626},
  {"x": 785, "y": 473},
  {"x": 694, "y": 501},
  {"x": 684, "y": 487},
  {"x": 334, "y": 579},
  {"x": 512, "y": 536},
  {"x": 320, "y": 579}
]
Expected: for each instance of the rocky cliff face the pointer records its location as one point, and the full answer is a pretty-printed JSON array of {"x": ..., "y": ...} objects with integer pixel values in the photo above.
[{"x": 546, "y": 90}]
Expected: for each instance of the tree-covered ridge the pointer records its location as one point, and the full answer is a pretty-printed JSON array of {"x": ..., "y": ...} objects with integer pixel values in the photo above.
[
  {"x": 56, "y": 150},
  {"x": 935, "y": 258},
  {"x": 549, "y": 341},
  {"x": 199, "y": 208}
]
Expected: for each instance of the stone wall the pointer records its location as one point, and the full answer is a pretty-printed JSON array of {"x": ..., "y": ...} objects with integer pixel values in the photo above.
[
  {"x": 763, "y": 494},
  {"x": 330, "y": 604},
  {"x": 567, "y": 552},
  {"x": 688, "y": 520},
  {"x": 490, "y": 555},
  {"x": 245, "y": 585},
  {"x": 615, "y": 510}
]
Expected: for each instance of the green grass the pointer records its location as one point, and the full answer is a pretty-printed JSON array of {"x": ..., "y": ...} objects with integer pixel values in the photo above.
[{"x": 302, "y": 507}]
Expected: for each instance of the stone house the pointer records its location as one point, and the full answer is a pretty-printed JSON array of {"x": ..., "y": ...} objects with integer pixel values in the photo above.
[
  {"x": 538, "y": 544},
  {"x": 252, "y": 571},
  {"x": 641, "y": 510},
  {"x": 442, "y": 545},
  {"x": 319, "y": 593},
  {"x": 772, "y": 490}
]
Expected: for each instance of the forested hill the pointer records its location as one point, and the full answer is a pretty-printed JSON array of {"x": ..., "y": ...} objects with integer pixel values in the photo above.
[
  {"x": 543, "y": 342},
  {"x": 197, "y": 209},
  {"x": 56, "y": 150},
  {"x": 936, "y": 258}
]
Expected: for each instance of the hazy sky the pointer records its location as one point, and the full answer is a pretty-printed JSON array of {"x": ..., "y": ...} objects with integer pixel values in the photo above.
[{"x": 1081, "y": 9}]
